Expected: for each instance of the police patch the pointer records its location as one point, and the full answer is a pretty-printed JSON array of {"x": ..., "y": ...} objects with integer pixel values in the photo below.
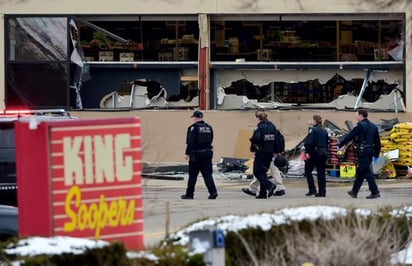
[
  {"x": 204, "y": 130},
  {"x": 269, "y": 137}
]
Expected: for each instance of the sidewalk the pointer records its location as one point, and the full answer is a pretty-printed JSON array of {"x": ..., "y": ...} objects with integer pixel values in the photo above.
[{"x": 164, "y": 211}]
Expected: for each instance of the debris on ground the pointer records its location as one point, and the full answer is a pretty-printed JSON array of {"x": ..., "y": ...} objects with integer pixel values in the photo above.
[{"x": 395, "y": 136}]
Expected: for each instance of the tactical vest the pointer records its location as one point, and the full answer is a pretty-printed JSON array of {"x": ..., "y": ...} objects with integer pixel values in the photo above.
[
  {"x": 204, "y": 135},
  {"x": 267, "y": 143}
]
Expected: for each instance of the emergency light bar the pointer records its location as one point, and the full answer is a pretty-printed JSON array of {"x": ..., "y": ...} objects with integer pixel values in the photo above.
[{"x": 25, "y": 112}]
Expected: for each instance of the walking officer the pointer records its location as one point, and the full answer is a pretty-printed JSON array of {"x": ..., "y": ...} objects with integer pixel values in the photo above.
[
  {"x": 199, "y": 153},
  {"x": 262, "y": 143},
  {"x": 316, "y": 153},
  {"x": 365, "y": 136}
]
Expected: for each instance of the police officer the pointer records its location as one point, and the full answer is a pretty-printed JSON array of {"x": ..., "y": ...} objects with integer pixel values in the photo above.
[
  {"x": 367, "y": 144},
  {"x": 262, "y": 143},
  {"x": 199, "y": 153},
  {"x": 316, "y": 153}
]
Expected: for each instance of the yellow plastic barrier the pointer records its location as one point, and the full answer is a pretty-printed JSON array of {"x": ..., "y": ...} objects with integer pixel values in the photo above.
[
  {"x": 389, "y": 170},
  {"x": 405, "y": 125}
]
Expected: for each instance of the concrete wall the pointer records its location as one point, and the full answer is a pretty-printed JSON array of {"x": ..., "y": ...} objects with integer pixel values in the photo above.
[
  {"x": 164, "y": 131},
  {"x": 213, "y": 7},
  {"x": 199, "y": 6}
]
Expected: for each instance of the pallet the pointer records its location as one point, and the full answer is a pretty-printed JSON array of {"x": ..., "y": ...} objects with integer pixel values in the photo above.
[
  {"x": 330, "y": 166},
  {"x": 335, "y": 170},
  {"x": 401, "y": 170}
]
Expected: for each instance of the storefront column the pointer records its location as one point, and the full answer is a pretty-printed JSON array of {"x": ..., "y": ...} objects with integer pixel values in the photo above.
[
  {"x": 202, "y": 79},
  {"x": 203, "y": 61}
]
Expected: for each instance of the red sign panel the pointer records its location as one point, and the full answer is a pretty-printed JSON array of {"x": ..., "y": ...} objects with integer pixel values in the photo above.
[{"x": 95, "y": 180}]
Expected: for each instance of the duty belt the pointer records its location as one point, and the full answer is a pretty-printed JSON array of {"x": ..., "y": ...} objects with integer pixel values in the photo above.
[
  {"x": 204, "y": 150},
  {"x": 362, "y": 147},
  {"x": 368, "y": 145}
]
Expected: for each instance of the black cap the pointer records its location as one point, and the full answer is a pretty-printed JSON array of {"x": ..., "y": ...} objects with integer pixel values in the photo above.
[{"x": 197, "y": 114}]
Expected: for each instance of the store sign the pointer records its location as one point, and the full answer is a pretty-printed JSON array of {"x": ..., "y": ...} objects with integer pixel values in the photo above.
[
  {"x": 347, "y": 170},
  {"x": 95, "y": 181}
]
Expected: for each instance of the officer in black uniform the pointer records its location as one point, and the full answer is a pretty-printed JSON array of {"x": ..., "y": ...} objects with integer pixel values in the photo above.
[
  {"x": 199, "y": 153},
  {"x": 316, "y": 153},
  {"x": 367, "y": 144},
  {"x": 263, "y": 145}
]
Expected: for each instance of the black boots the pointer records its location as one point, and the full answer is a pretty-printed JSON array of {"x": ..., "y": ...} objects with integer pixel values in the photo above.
[
  {"x": 373, "y": 196},
  {"x": 352, "y": 194}
]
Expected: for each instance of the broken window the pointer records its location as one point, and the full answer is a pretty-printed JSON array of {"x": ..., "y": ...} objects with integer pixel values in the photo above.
[
  {"x": 282, "y": 61},
  {"x": 36, "y": 67},
  {"x": 146, "y": 93},
  {"x": 336, "y": 93}
]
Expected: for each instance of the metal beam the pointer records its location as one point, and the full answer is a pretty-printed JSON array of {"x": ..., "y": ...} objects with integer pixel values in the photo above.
[
  {"x": 108, "y": 33},
  {"x": 362, "y": 91}
]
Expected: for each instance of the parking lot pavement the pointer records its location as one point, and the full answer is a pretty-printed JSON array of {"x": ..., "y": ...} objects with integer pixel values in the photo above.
[{"x": 165, "y": 212}]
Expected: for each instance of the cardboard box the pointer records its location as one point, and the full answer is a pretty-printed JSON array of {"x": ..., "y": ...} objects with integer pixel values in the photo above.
[
  {"x": 165, "y": 56},
  {"x": 106, "y": 56},
  {"x": 182, "y": 53},
  {"x": 126, "y": 57},
  {"x": 380, "y": 54},
  {"x": 89, "y": 58},
  {"x": 264, "y": 54},
  {"x": 234, "y": 42},
  {"x": 234, "y": 45},
  {"x": 234, "y": 49}
]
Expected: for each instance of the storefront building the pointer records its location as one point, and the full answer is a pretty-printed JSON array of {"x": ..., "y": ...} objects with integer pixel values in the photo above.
[{"x": 216, "y": 55}]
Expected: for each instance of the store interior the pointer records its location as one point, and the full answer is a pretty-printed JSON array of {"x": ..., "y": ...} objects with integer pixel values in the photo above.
[
  {"x": 114, "y": 50},
  {"x": 326, "y": 40}
]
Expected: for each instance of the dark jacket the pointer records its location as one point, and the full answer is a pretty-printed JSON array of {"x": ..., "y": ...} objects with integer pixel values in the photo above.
[
  {"x": 199, "y": 137},
  {"x": 317, "y": 141},
  {"x": 263, "y": 138},
  {"x": 365, "y": 135}
]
